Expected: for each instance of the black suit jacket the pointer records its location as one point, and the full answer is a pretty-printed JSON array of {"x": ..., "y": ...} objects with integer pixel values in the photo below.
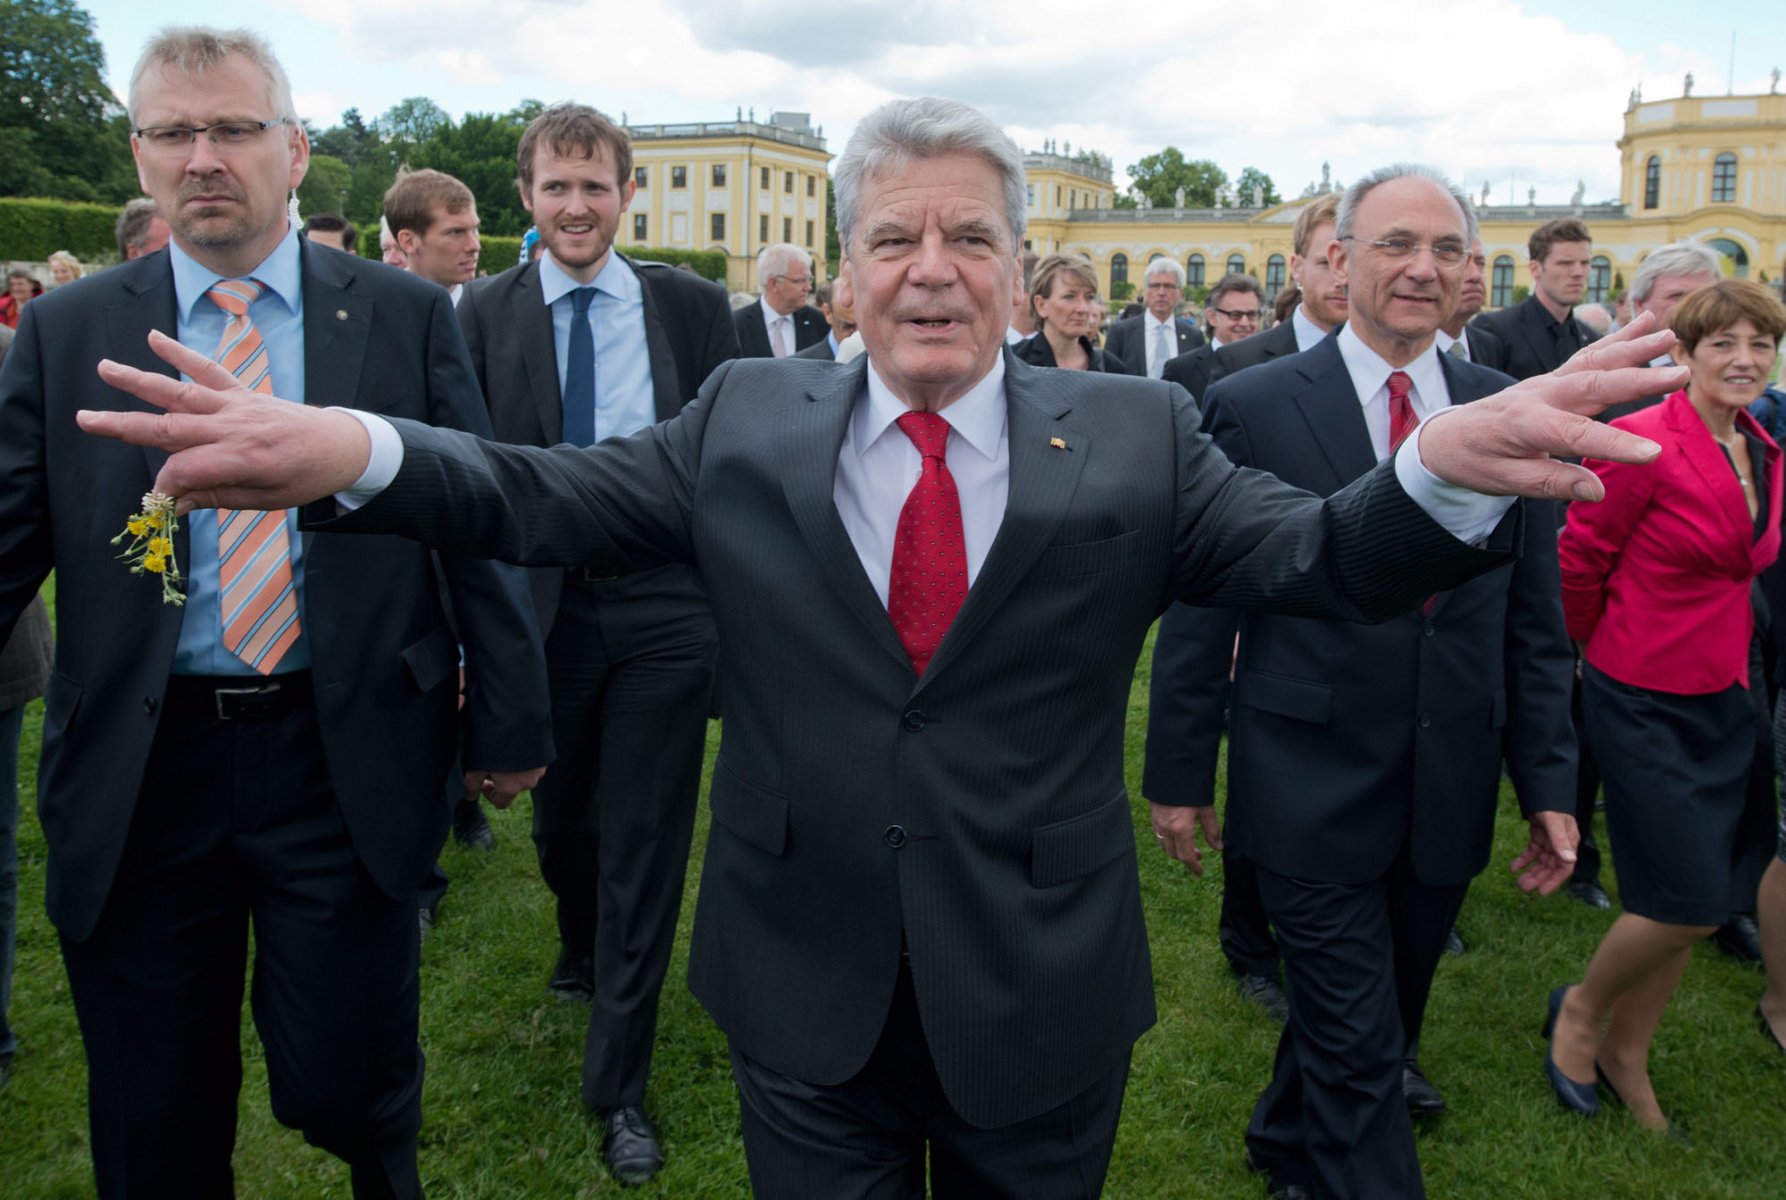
[
  {"x": 975, "y": 816},
  {"x": 1127, "y": 342},
  {"x": 1524, "y": 331},
  {"x": 1191, "y": 371},
  {"x": 820, "y": 350},
  {"x": 1486, "y": 347},
  {"x": 384, "y": 661},
  {"x": 1276, "y": 342},
  {"x": 508, "y": 328},
  {"x": 753, "y": 336},
  {"x": 1347, "y": 741}
]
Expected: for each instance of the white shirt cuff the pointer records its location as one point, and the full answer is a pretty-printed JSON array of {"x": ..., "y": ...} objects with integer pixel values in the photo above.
[
  {"x": 1468, "y": 516},
  {"x": 381, "y": 465}
]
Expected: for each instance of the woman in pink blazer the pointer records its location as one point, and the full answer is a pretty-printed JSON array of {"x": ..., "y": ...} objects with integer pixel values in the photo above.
[{"x": 1656, "y": 587}]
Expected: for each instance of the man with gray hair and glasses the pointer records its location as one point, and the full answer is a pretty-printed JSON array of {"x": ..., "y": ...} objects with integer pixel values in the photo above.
[
  {"x": 781, "y": 323},
  {"x": 932, "y": 570},
  {"x": 265, "y": 756},
  {"x": 1146, "y": 342}
]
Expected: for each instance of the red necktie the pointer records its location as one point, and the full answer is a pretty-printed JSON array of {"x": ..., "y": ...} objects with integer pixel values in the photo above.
[
  {"x": 1401, "y": 413},
  {"x": 929, "y": 577}
]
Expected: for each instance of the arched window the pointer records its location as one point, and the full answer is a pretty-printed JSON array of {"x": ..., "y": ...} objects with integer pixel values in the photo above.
[
  {"x": 1274, "y": 276},
  {"x": 1237, "y": 264},
  {"x": 1193, "y": 271},
  {"x": 1500, "y": 292},
  {"x": 1119, "y": 270},
  {"x": 1724, "y": 178},
  {"x": 1599, "y": 277},
  {"x": 1652, "y": 182},
  {"x": 1739, "y": 257}
]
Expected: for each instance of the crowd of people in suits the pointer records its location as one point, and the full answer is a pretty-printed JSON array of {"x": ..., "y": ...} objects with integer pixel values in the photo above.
[{"x": 1378, "y": 632}]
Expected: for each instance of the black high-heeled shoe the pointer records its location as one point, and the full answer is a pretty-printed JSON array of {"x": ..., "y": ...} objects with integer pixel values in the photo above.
[
  {"x": 1767, "y": 1030},
  {"x": 1576, "y": 1097}
]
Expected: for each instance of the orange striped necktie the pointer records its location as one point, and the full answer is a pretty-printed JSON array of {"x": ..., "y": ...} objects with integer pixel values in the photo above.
[{"x": 258, "y": 600}]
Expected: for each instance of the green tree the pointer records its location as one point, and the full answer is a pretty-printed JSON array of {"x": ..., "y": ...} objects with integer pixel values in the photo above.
[
  {"x": 352, "y": 141},
  {"x": 326, "y": 185},
  {"x": 409, "y": 123},
  {"x": 1159, "y": 176},
  {"x": 62, "y": 134},
  {"x": 1252, "y": 177},
  {"x": 480, "y": 153}
]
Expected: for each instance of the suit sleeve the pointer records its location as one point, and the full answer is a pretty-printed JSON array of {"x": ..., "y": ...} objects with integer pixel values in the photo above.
[
  {"x": 1594, "y": 537},
  {"x": 507, "y": 719},
  {"x": 1539, "y": 738},
  {"x": 25, "y": 548},
  {"x": 720, "y": 344}
]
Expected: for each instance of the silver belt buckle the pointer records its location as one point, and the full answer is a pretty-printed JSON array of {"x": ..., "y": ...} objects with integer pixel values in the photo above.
[{"x": 243, "y": 691}]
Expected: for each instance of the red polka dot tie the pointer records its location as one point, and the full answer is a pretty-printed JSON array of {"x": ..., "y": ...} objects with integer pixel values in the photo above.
[
  {"x": 1401, "y": 412},
  {"x": 929, "y": 578}
]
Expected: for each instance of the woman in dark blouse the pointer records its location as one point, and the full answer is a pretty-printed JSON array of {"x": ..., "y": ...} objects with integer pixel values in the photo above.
[{"x": 1063, "y": 295}]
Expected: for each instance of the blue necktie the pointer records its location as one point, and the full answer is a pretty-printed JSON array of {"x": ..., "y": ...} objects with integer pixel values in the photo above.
[{"x": 579, "y": 373}]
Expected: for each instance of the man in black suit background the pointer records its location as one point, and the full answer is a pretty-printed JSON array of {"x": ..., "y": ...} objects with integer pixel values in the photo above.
[
  {"x": 1146, "y": 342},
  {"x": 1320, "y": 310},
  {"x": 1541, "y": 332},
  {"x": 1234, "y": 309},
  {"x": 579, "y": 346},
  {"x": 920, "y": 922},
  {"x": 1364, "y": 762},
  {"x": 780, "y": 323},
  {"x": 193, "y": 787},
  {"x": 1460, "y": 335},
  {"x": 842, "y": 322}
]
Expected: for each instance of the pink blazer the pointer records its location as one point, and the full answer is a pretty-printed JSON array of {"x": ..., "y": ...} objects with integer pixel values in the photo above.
[{"x": 1656, "y": 577}]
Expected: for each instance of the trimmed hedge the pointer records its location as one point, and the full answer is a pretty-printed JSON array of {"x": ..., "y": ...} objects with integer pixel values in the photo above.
[{"x": 32, "y": 230}]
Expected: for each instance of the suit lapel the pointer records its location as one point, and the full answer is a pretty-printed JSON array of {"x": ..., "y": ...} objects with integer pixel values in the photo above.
[
  {"x": 537, "y": 349},
  {"x": 1330, "y": 406},
  {"x": 337, "y": 323},
  {"x": 666, "y": 385},
  {"x": 1043, "y": 478},
  {"x": 753, "y": 338},
  {"x": 1533, "y": 325},
  {"x": 1187, "y": 332},
  {"x": 809, "y": 452},
  {"x": 148, "y": 303}
]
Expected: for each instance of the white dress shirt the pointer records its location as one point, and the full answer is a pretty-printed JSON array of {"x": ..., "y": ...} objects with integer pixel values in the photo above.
[
  {"x": 1157, "y": 358},
  {"x": 1308, "y": 334},
  {"x": 1445, "y": 341},
  {"x": 771, "y": 319}
]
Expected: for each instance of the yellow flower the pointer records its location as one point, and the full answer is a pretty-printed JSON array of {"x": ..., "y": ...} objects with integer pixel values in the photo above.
[
  {"x": 155, "y": 563},
  {"x": 136, "y": 526},
  {"x": 155, "y": 518},
  {"x": 161, "y": 547}
]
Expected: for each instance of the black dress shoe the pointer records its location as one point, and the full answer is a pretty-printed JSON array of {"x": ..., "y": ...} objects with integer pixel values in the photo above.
[
  {"x": 1740, "y": 938},
  {"x": 1455, "y": 944},
  {"x": 1422, "y": 1097},
  {"x": 1576, "y": 1097},
  {"x": 630, "y": 1145},
  {"x": 1268, "y": 994},
  {"x": 471, "y": 828},
  {"x": 1589, "y": 892},
  {"x": 573, "y": 977}
]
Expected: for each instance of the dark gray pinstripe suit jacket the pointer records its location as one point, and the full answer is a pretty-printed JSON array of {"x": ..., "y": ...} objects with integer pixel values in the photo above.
[{"x": 978, "y": 814}]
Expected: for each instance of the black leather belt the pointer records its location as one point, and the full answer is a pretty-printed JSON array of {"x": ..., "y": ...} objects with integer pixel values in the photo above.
[{"x": 239, "y": 697}]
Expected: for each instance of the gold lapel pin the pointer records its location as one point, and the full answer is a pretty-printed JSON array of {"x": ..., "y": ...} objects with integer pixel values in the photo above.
[{"x": 1057, "y": 443}]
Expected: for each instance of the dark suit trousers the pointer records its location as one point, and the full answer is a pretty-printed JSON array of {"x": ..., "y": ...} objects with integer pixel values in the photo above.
[
  {"x": 865, "y": 1139},
  {"x": 237, "y": 826},
  {"x": 1587, "y": 794},
  {"x": 1359, "y": 962},
  {"x": 1243, "y": 928},
  {"x": 614, "y": 815}
]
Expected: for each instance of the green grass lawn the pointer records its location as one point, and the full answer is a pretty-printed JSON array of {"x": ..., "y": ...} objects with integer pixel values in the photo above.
[{"x": 504, "y": 1118}]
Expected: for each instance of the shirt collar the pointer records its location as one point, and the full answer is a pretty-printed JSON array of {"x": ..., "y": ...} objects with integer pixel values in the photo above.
[
  {"x": 978, "y": 416},
  {"x": 1308, "y": 334},
  {"x": 615, "y": 279},
  {"x": 280, "y": 273},
  {"x": 1370, "y": 372},
  {"x": 1170, "y": 323}
]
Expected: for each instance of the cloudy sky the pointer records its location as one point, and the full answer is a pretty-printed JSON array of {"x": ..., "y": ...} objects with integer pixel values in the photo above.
[{"x": 1515, "y": 95}]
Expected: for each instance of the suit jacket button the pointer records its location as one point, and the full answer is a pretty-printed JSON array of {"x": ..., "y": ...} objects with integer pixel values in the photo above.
[
  {"x": 1428, "y": 629},
  {"x": 913, "y": 721},
  {"x": 895, "y": 836},
  {"x": 149, "y": 705},
  {"x": 1425, "y": 721}
]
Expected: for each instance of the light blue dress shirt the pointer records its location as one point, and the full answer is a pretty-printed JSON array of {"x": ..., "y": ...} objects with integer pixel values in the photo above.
[
  {"x": 279, "y": 316},
  {"x": 624, "y": 403}
]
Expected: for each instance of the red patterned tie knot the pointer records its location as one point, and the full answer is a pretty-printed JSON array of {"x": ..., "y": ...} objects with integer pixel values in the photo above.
[
  {"x": 929, "y": 432},
  {"x": 1402, "y": 420}
]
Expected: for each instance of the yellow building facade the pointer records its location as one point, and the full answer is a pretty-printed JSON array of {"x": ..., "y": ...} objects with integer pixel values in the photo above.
[
  {"x": 733, "y": 186},
  {"x": 1712, "y": 169}
]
